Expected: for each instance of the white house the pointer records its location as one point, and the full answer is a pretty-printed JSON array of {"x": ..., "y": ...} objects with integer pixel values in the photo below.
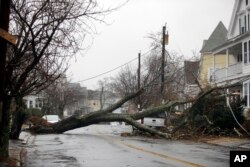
[
  {"x": 34, "y": 100},
  {"x": 237, "y": 49}
]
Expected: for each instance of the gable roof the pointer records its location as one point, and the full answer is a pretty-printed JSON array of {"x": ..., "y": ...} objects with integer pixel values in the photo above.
[
  {"x": 218, "y": 37},
  {"x": 191, "y": 71}
]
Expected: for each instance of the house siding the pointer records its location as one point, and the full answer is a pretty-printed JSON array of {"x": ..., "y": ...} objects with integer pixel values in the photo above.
[
  {"x": 208, "y": 62},
  {"x": 240, "y": 11}
]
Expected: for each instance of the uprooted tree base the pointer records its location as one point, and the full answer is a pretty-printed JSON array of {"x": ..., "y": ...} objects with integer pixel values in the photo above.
[
  {"x": 211, "y": 116},
  {"x": 208, "y": 115}
]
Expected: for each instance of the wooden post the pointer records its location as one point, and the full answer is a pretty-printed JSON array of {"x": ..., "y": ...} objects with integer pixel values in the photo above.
[
  {"x": 163, "y": 60},
  {"x": 4, "y": 113},
  {"x": 139, "y": 71},
  {"x": 4, "y": 25},
  {"x": 139, "y": 83}
]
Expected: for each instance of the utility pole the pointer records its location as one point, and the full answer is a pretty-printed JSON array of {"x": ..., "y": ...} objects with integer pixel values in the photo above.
[
  {"x": 4, "y": 26},
  {"x": 139, "y": 71},
  {"x": 164, "y": 42},
  {"x": 139, "y": 82},
  {"x": 163, "y": 59},
  {"x": 4, "y": 114}
]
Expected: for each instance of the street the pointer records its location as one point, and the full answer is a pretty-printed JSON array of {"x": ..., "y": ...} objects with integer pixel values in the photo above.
[{"x": 102, "y": 146}]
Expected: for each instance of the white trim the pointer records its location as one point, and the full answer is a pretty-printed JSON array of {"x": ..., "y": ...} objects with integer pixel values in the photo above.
[
  {"x": 240, "y": 13},
  {"x": 233, "y": 17},
  {"x": 227, "y": 61},
  {"x": 247, "y": 83},
  {"x": 213, "y": 61},
  {"x": 217, "y": 51}
]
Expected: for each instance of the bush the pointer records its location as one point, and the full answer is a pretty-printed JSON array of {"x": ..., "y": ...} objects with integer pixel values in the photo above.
[
  {"x": 222, "y": 117},
  {"x": 214, "y": 107},
  {"x": 34, "y": 112}
]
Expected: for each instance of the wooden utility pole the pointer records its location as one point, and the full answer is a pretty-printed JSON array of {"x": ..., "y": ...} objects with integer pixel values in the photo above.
[
  {"x": 139, "y": 79},
  {"x": 139, "y": 71},
  {"x": 139, "y": 83},
  {"x": 163, "y": 59},
  {"x": 4, "y": 25}
]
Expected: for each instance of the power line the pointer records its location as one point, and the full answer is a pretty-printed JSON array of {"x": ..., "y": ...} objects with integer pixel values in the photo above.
[{"x": 104, "y": 73}]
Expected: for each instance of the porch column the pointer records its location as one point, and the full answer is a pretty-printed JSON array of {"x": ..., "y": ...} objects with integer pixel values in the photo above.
[
  {"x": 213, "y": 61},
  {"x": 227, "y": 96}
]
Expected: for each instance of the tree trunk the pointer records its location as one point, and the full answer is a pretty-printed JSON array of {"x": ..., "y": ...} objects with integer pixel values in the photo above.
[
  {"x": 4, "y": 129},
  {"x": 106, "y": 115},
  {"x": 74, "y": 122},
  {"x": 18, "y": 118}
]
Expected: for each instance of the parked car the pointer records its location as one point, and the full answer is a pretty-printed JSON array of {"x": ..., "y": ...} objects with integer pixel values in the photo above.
[
  {"x": 156, "y": 120},
  {"x": 51, "y": 118}
]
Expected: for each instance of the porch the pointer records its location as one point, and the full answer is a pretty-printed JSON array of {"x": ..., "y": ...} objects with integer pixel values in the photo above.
[
  {"x": 236, "y": 61},
  {"x": 231, "y": 72}
]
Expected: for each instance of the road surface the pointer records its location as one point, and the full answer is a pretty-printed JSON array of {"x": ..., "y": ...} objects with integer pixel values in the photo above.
[{"x": 102, "y": 146}]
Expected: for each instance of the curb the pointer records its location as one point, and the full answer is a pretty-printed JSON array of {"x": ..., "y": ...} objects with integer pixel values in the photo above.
[{"x": 236, "y": 143}]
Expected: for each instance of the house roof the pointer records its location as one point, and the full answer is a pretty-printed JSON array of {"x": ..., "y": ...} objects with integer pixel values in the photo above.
[
  {"x": 218, "y": 37},
  {"x": 191, "y": 71}
]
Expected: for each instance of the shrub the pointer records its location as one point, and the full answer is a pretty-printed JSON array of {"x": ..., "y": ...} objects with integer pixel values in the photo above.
[{"x": 34, "y": 112}]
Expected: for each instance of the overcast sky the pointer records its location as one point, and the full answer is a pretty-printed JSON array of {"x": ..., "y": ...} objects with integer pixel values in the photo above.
[{"x": 189, "y": 22}]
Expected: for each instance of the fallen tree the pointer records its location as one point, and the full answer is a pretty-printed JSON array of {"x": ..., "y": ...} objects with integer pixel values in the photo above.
[{"x": 106, "y": 115}]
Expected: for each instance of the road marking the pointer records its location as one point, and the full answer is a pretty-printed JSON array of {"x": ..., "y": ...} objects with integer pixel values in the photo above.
[
  {"x": 161, "y": 155},
  {"x": 148, "y": 151}
]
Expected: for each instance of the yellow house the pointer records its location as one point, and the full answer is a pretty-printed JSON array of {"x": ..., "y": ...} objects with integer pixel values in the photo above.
[{"x": 208, "y": 62}]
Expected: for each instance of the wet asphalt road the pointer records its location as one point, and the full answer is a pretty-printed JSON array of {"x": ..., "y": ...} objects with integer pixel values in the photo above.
[{"x": 101, "y": 146}]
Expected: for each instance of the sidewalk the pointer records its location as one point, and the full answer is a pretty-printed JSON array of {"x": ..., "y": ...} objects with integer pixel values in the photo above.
[
  {"x": 232, "y": 142},
  {"x": 17, "y": 152}
]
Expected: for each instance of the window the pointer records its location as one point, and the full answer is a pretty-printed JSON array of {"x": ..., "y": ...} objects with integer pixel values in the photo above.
[
  {"x": 248, "y": 51},
  {"x": 210, "y": 74},
  {"x": 248, "y": 21},
  {"x": 242, "y": 24},
  {"x": 36, "y": 104},
  {"x": 39, "y": 102},
  {"x": 245, "y": 52},
  {"x": 31, "y": 104},
  {"x": 246, "y": 2},
  {"x": 245, "y": 23},
  {"x": 246, "y": 93}
]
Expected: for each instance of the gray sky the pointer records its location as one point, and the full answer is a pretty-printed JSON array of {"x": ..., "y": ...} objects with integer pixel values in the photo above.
[{"x": 189, "y": 22}]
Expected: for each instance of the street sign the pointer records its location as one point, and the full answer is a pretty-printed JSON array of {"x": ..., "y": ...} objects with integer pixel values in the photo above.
[{"x": 8, "y": 37}]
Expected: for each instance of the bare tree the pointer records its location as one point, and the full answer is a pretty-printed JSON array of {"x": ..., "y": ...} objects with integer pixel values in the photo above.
[
  {"x": 60, "y": 95},
  {"x": 107, "y": 94},
  {"x": 126, "y": 81},
  {"x": 49, "y": 33}
]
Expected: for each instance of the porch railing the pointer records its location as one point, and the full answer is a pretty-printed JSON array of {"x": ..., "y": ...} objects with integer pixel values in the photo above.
[{"x": 231, "y": 72}]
